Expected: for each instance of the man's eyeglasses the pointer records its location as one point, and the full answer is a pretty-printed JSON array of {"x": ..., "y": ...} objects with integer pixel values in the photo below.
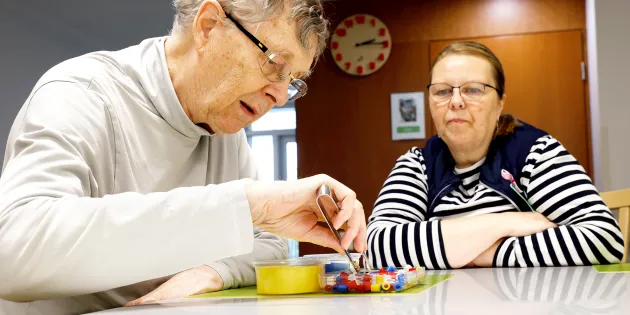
[
  {"x": 471, "y": 91},
  {"x": 275, "y": 68}
]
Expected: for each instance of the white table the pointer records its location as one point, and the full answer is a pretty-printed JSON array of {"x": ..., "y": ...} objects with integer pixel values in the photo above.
[{"x": 570, "y": 290}]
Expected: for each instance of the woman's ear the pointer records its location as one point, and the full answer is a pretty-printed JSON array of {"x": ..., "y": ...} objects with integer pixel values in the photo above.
[{"x": 501, "y": 105}]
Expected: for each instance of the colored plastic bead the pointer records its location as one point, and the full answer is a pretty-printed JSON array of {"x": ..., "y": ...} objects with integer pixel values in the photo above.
[
  {"x": 366, "y": 287},
  {"x": 352, "y": 285},
  {"x": 343, "y": 288},
  {"x": 379, "y": 279},
  {"x": 358, "y": 288},
  {"x": 376, "y": 288},
  {"x": 387, "y": 279}
]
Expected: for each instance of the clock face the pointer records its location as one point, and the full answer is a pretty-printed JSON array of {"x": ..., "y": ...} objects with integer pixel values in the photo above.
[{"x": 361, "y": 44}]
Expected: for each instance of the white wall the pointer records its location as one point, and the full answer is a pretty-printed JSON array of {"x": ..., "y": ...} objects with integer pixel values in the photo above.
[
  {"x": 608, "y": 40},
  {"x": 37, "y": 34}
]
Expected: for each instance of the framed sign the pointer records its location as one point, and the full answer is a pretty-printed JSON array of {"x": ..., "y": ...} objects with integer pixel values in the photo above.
[{"x": 408, "y": 116}]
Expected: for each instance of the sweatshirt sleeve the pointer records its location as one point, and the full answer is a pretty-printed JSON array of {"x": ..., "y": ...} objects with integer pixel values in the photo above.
[
  {"x": 59, "y": 239},
  {"x": 398, "y": 231},
  {"x": 239, "y": 271},
  {"x": 557, "y": 186}
]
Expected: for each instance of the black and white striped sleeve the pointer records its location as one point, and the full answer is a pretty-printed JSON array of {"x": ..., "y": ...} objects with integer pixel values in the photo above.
[
  {"x": 558, "y": 187},
  {"x": 398, "y": 234}
]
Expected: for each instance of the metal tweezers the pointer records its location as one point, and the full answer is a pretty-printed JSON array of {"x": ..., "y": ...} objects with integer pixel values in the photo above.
[{"x": 326, "y": 199}]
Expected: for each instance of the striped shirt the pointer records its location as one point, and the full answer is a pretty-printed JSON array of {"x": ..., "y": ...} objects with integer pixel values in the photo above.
[{"x": 400, "y": 233}]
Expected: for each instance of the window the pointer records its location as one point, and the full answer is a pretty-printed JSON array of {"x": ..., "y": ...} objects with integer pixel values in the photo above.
[{"x": 272, "y": 139}]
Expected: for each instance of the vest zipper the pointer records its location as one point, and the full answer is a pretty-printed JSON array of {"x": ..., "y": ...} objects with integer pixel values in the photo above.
[
  {"x": 502, "y": 195},
  {"x": 437, "y": 196},
  {"x": 527, "y": 202}
]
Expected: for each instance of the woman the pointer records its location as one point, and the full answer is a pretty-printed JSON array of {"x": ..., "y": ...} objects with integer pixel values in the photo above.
[{"x": 488, "y": 190}]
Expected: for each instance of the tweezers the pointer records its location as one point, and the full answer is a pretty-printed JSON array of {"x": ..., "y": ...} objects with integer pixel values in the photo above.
[{"x": 326, "y": 199}]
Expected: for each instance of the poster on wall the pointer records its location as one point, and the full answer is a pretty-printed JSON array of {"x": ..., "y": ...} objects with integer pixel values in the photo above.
[{"x": 408, "y": 116}]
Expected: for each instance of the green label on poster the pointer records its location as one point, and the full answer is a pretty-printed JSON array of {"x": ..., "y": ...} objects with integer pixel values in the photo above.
[{"x": 408, "y": 129}]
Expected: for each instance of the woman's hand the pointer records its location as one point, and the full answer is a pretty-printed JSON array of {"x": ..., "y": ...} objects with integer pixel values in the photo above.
[{"x": 525, "y": 223}]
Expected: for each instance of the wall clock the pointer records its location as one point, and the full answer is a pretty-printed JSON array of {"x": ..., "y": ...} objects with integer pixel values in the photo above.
[{"x": 360, "y": 44}]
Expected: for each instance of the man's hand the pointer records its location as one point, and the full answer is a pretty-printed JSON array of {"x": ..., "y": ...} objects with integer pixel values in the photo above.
[
  {"x": 198, "y": 280},
  {"x": 289, "y": 209}
]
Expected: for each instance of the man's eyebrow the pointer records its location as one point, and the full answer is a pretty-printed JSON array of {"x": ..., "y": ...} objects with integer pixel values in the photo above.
[{"x": 289, "y": 57}]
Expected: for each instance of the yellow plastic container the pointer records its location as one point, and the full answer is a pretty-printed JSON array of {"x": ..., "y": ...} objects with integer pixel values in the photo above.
[{"x": 289, "y": 276}]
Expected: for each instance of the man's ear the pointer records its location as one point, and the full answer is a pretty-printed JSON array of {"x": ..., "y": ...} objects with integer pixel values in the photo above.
[{"x": 208, "y": 18}]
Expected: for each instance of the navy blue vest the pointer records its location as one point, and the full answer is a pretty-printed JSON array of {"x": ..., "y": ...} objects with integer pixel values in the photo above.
[{"x": 505, "y": 153}]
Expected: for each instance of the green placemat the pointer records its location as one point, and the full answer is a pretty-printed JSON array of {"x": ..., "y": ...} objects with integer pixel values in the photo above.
[
  {"x": 613, "y": 268},
  {"x": 250, "y": 292}
]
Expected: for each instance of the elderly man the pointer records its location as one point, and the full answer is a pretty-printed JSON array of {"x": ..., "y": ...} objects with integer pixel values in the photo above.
[{"x": 128, "y": 166}]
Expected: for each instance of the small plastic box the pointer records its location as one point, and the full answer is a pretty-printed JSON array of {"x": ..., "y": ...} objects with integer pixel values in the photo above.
[
  {"x": 385, "y": 280},
  {"x": 289, "y": 276},
  {"x": 336, "y": 262}
]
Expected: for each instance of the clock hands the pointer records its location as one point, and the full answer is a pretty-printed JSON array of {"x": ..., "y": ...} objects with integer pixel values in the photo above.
[
  {"x": 371, "y": 43},
  {"x": 367, "y": 42}
]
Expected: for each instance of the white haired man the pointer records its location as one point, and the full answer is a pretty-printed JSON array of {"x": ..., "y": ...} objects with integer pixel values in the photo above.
[{"x": 129, "y": 166}]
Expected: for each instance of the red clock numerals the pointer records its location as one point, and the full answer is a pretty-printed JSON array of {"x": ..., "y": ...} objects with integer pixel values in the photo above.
[{"x": 342, "y": 32}]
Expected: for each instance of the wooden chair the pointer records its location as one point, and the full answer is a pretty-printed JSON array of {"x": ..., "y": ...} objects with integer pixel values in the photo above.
[{"x": 620, "y": 199}]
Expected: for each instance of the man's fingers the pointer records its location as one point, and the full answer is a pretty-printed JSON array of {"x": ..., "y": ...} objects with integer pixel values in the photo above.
[
  {"x": 349, "y": 237},
  {"x": 162, "y": 292},
  {"x": 360, "y": 242},
  {"x": 356, "y": 227},
  {"x": 342, "y": 217},
  {"x": 345, "y": 196},
  {"x": 149, "y": 298}
]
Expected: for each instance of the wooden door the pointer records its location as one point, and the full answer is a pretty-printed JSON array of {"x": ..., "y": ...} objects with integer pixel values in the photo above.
[{"x": 544, "y": 85}]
